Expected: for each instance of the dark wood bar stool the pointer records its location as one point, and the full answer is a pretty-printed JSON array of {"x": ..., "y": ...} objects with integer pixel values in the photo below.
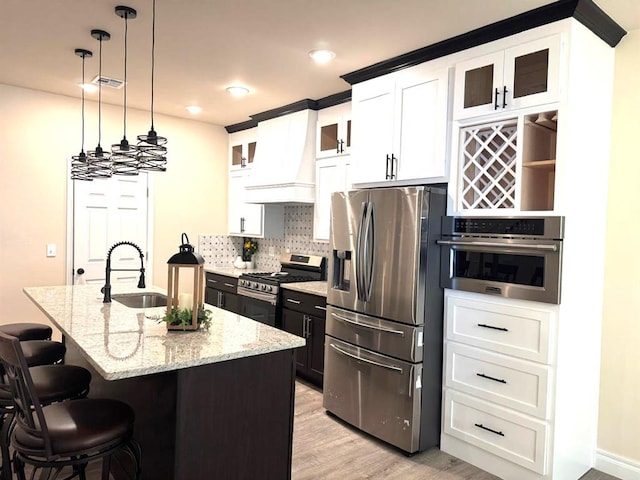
[
  {"x": 27, "y": 331},
  {"x": 69, "y": 433},
  {"x": 52, "y": 383}
]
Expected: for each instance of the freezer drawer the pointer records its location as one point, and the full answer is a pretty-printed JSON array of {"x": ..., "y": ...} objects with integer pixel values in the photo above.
[
  {"x": 376, "y": 393},
  {"x": 389, "y": 338}
]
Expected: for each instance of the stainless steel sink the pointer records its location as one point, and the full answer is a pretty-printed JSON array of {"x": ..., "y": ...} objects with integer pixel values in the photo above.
[{"x": 141, "y": 300}]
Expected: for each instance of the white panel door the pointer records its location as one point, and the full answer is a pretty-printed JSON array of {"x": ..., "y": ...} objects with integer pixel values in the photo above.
[{"x": 105, "y": 212}]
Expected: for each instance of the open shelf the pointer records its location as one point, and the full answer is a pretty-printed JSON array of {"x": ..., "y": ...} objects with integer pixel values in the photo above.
[
  {"x": 540, "y": 164},
  {"x": 539, "y": 161}
]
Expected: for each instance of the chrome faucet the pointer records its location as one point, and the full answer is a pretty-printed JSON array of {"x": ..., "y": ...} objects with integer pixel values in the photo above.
[{"x": 107, "y": 286}]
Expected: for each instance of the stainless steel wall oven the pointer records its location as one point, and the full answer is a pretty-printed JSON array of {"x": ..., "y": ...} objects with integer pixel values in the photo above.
[{"x": 514, "y": 257}]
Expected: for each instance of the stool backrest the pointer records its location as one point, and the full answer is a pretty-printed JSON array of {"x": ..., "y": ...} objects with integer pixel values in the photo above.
[{"x": 27, "y": 406}]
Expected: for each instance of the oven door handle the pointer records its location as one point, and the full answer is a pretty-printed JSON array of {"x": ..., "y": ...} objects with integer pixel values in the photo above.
[
  {"x": 264, "y": 297},
  {"x": 498, "y": 247},
  {"x": 365, "y": 360},
  {"x": 364, "y": 325}
]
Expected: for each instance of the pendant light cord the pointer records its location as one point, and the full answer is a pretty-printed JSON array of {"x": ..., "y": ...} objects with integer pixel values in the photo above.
[
  {"x": 83, "y": 86},
  {"x": 153, "y": 55},
  {"x": 126, "y": 16},
  {"x": 100, "y": 95}
]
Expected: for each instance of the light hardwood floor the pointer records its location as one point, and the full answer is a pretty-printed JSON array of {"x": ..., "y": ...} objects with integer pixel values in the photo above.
[{"x": 327, "y": 448}]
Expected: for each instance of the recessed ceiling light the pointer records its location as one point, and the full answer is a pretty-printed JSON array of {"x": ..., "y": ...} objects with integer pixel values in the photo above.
[
  {"x": 193, "y": 109},
  {"x": 237, "y": 91},
  {"x": 322, "y": 56},
  {"x": 89, "y": 87}
]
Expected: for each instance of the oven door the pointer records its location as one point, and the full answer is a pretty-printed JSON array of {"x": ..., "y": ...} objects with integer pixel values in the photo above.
[
  {"x": 257, "y": 306},
  {"x": 511, "y": 268}
]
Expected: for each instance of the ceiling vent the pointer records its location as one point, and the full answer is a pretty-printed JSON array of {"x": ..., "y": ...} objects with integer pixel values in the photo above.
[{"x": 107, "y": 82}]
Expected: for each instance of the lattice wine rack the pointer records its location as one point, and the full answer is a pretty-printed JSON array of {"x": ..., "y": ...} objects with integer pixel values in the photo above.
[{"x": 488, "y": 159}]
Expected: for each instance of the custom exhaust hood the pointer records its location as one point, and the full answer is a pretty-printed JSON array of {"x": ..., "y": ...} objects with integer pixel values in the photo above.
[{"x": 284, "y": 165}]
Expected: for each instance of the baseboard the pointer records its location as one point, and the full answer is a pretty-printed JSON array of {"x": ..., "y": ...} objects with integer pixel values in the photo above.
[{"x": 621, "y": 467}]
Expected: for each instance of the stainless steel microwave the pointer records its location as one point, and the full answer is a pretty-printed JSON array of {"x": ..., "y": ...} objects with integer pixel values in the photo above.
[{"x": 512, "y": 257}]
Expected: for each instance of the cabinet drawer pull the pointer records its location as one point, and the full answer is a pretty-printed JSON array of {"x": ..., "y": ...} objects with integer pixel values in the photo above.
[
  {"x": 230, "y": 285},
  {"x": 387, "y": 169},
  {"x": 504, "y": 97},
  {"x": 484, "y": 325},
  {"x": 500, "y": 380},
  {"x": 495, "y": 103},
  {"x": 479, "y": 425},
  {"x": 297, "y": 302},
  {"x": 320, "y": 307},
  {"x": 212, "y": 281}
]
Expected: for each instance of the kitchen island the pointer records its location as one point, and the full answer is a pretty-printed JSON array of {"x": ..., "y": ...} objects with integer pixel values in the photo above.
[{"x": 214, "y": 403}]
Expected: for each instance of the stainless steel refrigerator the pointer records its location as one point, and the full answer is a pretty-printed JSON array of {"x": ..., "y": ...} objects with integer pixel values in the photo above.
[{"x": 383, "y": 344}]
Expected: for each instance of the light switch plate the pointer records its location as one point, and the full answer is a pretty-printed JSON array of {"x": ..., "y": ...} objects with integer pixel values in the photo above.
[{"x": 51, "y": 249}]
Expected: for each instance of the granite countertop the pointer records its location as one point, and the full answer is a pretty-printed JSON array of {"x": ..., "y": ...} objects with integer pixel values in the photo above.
[
  {"x": 122, "y": 342},
  {"x": 314, "y": 288}
]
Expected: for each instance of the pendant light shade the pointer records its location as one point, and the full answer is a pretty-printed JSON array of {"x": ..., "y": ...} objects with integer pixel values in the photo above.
[
  {"x": 79, "y": 164},
  {"x": 123, "y": 155},
  {"x": 99, "y": 160},
  {"x": 152, "y": 152}
]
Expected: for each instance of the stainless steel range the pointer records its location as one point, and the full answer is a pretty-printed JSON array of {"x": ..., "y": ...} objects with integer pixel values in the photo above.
[{"x": 259, "y": 293}]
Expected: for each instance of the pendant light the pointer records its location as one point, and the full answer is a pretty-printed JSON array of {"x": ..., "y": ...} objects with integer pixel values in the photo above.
[
  {"x": 99, "y": 160},
  {"x": 123, "y": 155},
  {"x": 79, "y": 164},
  {"x": 152, "y": 153}
]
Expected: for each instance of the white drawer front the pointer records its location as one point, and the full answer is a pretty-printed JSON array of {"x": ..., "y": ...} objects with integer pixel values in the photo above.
[
  {"x": 500, "y": 326},
  {"x": 508, "y": 381},
  {"x": 504, "y": 433}
]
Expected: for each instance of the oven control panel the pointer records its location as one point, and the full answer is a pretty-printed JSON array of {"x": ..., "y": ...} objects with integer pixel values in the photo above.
[{"x": 258, "y": 286}]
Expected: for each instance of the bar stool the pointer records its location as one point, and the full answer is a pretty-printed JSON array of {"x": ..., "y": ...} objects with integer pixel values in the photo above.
[
  {"x": 27, "y": 331},
  {"x": 52, "y": 383},
  {"x": 68, "y": 433}
]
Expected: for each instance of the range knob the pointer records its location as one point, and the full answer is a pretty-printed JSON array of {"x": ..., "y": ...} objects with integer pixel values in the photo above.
[
  {"x": 255, "y": 285},
  {"x": 263, "y": 287},
  {"x": 270, "y": 288}
]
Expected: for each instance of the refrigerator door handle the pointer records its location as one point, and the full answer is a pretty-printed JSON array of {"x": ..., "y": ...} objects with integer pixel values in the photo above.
[
  {"x": 364, "y": 325},
  {"x": 365, "y": 360},
  {"x": 359, "y": 253},
  {"x": 369, "y": 251}
]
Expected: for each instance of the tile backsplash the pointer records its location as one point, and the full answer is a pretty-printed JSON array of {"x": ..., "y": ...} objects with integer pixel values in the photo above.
[{"x": 221, "y": 250}]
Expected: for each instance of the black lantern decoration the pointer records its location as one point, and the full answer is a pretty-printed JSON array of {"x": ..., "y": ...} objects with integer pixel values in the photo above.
[
  {"x": 152, "y": 153},
  {"x": 123, "y": 155},
  {"x": 178, "y": 302},
  {"x": 79, "y": 165},
  {"x": 99, "y": 160}
]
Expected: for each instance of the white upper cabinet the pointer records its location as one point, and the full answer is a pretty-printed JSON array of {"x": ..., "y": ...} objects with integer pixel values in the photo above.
[
  {"x": 242, "y": 148},
  {"x": 522, "y": 76},
  {"x": 400, "y": 130},
  {"x": 333, "y": 136},
  {"x": 332, "y": 175},
  {"x": 251, "y": 219}
]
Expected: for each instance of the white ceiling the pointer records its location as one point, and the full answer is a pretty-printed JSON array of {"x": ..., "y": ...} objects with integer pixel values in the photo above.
[{"x": 202, "y": 46}]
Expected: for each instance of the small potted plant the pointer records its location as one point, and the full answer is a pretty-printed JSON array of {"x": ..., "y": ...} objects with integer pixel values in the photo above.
[
  {"x": 249, "y": 247},
  {"x": 180, "y": 318}
]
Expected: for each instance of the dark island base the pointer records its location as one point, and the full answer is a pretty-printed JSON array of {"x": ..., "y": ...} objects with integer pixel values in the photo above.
[{"x": 231, "y": 420}]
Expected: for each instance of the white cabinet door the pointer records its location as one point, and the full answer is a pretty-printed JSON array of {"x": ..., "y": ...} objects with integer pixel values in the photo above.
[
  {"x": 244, "y": 219},
  {"x": 522, "y": 76},
  {"x": 420, "y": 137},
  {"x": 400, "y": 130},
  {"x": 242, "y": 148},
  {"x": 331, "y": 176},
  {"x": 372, "y": 104},
  {"x": 333, "y": 136}
]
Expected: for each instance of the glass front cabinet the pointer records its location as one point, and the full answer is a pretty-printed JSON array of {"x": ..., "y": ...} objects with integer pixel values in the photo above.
[
  {"x": 333, "y": 137},
  {"x": 518, "y": 77}
]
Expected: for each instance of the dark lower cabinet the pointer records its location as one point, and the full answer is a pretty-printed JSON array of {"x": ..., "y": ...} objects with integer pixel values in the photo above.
[
  {"x": 303, "y": 315},
  {"x": 220, "y": 291}
]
